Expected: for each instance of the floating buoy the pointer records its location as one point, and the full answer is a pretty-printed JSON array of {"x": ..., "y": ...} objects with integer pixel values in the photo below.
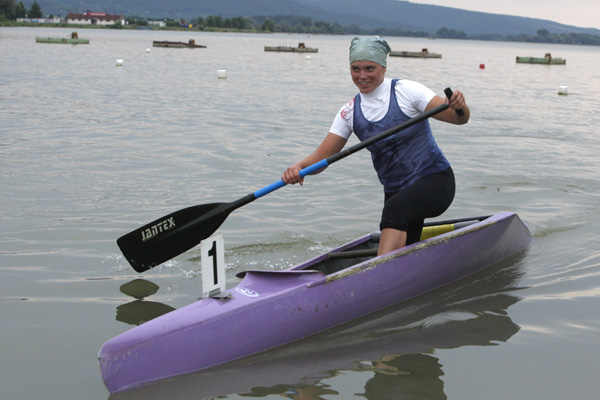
[
  {"x": 563, "y": 90},
  {"x": 120, "y": 62},
  {"x": 481, "y": 66},
  {"x": 308, "y": 57},
  {"x": 147, "y": 50},
  {"x": 222, "y": 74}
]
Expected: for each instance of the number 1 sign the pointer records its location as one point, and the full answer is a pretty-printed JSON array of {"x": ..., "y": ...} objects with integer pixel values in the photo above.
[{"x": 213, "y": 265}]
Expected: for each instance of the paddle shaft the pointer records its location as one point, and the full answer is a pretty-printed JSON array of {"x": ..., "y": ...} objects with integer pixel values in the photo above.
[
  {"x": 169, "y": 236},
  {"x": 353, "y": 149},
  {"x": 338, "y": 156}
]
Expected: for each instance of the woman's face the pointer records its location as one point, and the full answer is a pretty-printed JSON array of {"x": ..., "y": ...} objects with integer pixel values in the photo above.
[{"x": 367, "y": 75}]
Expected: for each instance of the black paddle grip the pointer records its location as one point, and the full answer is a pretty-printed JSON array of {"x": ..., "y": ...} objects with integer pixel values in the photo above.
[{"x": 448, "y": 93}]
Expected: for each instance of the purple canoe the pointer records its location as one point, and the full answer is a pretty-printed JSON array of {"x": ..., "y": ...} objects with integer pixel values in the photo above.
[{"x": 271, "y": 308}]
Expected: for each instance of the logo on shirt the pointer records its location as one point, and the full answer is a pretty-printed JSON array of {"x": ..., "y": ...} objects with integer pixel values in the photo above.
[{"x": 347, "y": 110}]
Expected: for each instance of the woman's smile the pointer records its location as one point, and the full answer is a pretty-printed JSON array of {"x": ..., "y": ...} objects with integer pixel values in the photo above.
[{"x": 367, "y": 75}]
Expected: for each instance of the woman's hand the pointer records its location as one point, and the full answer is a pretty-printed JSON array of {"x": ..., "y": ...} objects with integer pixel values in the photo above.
[
  {"x": 328, "y": 147},
  {"x": 457, "y": 101},
  {"x": 291, "y": 176}
]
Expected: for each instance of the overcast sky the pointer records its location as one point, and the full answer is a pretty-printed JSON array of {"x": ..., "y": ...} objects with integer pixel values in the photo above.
[{"x": 580, "y": 13}]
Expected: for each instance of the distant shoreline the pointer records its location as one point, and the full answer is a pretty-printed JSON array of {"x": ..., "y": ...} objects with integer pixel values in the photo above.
[
  {"x": 10, "y": 24},
  {"x": 572, "y": 39}
]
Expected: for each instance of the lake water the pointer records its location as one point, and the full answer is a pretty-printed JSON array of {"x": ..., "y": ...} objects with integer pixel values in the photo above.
[{"x": 90, "y": 151}]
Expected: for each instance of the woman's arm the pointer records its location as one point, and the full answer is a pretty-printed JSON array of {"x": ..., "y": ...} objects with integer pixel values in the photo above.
[
  {"x": 456, "y": 102},
  {"x": 331, "y": 145}
]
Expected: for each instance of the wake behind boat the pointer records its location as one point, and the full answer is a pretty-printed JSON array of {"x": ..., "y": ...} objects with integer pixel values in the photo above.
[{"x": 271, "y": 308}]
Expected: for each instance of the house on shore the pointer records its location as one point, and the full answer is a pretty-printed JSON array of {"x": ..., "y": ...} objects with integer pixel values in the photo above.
[
  {"x": 55, "y": 20},
  {"x": 95, "y": 18},
  {"x": 160, "y": 24}
]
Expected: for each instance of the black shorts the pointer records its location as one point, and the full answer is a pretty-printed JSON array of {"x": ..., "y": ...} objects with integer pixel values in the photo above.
[{"x": 428, "y": 197}]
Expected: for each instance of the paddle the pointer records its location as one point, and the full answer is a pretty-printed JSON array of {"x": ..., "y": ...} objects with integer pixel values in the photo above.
[{"x": 173, "y": 234}]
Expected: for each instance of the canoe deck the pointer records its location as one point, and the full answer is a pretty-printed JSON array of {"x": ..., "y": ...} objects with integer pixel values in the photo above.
[{"x": 271, "y": 308}]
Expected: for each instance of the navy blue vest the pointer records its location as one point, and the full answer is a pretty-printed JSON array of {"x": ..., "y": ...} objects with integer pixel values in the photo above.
[{"x": 403, "y": 158}]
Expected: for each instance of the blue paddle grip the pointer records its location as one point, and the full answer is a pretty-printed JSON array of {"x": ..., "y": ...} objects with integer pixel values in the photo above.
[
  {"x": 306, "y": 171},
  {"x": 313, "y": 168}
]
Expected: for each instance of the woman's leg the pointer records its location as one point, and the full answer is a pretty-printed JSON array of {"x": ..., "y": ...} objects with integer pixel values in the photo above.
[
  {"x": 391, "y": 239},
  {"x": 404, "y": 211}
]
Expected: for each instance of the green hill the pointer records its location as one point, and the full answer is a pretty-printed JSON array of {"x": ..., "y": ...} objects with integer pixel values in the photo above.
[{"x": 379, "y": 13}]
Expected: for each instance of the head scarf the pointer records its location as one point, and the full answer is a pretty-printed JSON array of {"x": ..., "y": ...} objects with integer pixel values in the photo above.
[{"x": 369, "y": 48}]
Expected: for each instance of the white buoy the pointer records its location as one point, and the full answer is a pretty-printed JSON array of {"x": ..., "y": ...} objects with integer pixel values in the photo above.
[
  {"x": 222, "y": 74},
  {"x": 120, "y": 62},
  {"x": 563, "y": 90},
  {"x": 147, "y": 50},
  {"x": 308, "y": 57}
]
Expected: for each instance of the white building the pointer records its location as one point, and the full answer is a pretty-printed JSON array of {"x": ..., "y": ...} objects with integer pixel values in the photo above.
[
  {"x": 160, "y": 24},
  {"x": 94, "y": 18},
  {"x": 55, "y": 20}
]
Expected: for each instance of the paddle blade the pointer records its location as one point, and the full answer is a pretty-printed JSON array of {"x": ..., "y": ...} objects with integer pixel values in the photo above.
[{"x": 171, "y": 235}]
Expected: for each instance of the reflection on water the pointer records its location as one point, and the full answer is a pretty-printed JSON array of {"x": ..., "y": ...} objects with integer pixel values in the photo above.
[
  {"x": 395, "y": 376},
  {"x": 396, "y": 345},
  {"x": 299, "y": 393},
  {"x": 406, "y": 376},
  {"x": 139, "y": 288},
  {"x": 139, "y": 311}
]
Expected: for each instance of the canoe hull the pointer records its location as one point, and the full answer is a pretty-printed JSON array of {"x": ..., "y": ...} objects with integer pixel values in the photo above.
[{"x": 271, "y": 308}]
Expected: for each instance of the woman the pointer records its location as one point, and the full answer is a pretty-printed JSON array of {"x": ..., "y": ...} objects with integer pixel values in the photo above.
[{"x": 417, "y": 178}]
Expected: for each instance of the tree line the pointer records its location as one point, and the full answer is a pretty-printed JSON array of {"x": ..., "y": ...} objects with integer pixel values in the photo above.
[
  {"x": 10, "y": 10},
  {"x": 300, "y": 24},
  {"x": 542, "y": 36}
]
